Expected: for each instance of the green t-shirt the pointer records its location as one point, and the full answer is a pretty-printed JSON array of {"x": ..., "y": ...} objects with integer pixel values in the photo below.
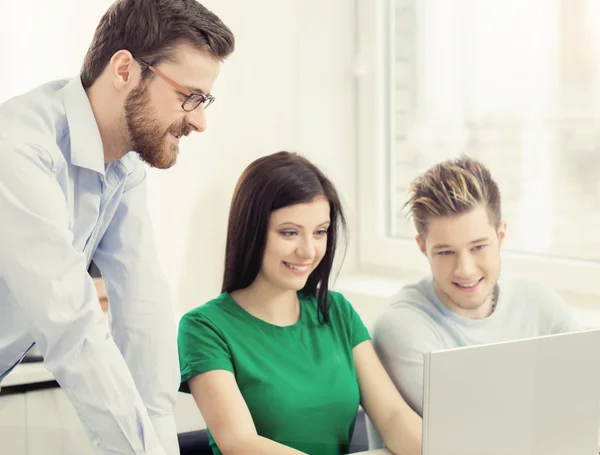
[{"x": 299, "y": 381}]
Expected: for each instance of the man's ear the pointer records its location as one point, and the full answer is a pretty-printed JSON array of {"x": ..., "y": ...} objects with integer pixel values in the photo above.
[
  {"x": 421, "y": 243},
  {"x": 123, "y": 69},
  {"x": 501, "y": 233}
]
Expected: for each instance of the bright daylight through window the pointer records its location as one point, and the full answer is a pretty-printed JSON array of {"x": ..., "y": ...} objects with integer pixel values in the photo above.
[{"x": 515, "y": 83}]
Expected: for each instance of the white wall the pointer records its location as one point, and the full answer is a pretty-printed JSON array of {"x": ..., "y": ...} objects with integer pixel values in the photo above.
[
  {"x": 289, "y": 85},
  {"x": 41, "y": 41}
]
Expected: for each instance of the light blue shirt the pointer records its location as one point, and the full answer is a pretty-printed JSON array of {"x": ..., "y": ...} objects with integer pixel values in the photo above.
[
  {"x": 417, "y": 322},
  {"x": 61, "y": 207}
]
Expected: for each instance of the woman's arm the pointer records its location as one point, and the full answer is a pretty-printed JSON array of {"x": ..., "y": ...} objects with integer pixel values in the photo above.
[
  {"x": 399, "y": 426},
  {"x": 227, "y": 416}
]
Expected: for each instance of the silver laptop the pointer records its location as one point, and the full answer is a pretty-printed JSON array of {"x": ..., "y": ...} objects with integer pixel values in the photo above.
[{"x": 539, "y": 396}]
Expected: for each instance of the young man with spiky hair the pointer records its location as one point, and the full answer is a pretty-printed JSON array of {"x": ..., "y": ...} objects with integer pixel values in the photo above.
[
  {"x": 457, "y": 214},
  {"x": 73, "y": 190}
]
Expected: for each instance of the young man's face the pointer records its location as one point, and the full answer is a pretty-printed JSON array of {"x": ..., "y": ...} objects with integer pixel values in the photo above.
[
  {"x": 153, "y": 113},
  {"x": 464, "y": 255}
]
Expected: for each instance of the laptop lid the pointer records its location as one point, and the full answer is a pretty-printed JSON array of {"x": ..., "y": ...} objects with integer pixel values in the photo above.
[{"x": 538, "y": 396}]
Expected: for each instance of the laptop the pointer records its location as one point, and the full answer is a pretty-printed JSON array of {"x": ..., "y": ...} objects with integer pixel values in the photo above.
[{"x": 538, "y": 396}]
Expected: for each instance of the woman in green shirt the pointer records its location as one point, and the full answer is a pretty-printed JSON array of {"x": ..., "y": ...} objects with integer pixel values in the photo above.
[{"x": 277, "y": 363}]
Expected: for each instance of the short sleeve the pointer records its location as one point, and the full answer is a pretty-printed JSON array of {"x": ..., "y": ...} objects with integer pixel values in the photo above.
[
  {"x": 401, "y": 337},
  {"x": 202, "y": 348},
  {"x": 358, "y": 331},
  {"x": 557, "y": 314}
]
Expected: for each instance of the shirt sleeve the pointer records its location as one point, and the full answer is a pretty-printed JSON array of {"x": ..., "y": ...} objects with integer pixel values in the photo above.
[
  {"x": 49, "y": 280},
  {"x": 142, "y": 318},
  {"x": 358, "y": 331},
  {"x": 558, "y": 317},
  {"x": 202, "y": 348},
  {"x": 401, "y": 339}
]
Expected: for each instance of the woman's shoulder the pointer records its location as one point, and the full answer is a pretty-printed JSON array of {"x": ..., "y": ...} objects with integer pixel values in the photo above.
[
  {"x": 339, "y": 301},
  {"x": 339, "y": 306},
  {"x": 209, "y": 311}
]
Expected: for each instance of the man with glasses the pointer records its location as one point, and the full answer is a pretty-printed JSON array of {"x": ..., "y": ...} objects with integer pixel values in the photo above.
[{"x": 73, "y": 190}]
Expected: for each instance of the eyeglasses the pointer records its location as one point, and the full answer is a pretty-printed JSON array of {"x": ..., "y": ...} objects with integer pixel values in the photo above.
[{"x": 192, "y": 99}]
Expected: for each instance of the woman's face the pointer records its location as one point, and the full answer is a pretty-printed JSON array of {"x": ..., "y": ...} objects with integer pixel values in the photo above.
[{"x": 296, "y": 243}]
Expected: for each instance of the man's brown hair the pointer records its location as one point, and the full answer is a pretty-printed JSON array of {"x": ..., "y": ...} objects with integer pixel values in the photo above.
[
  {"x": 150, "y": 29},
  {"x": 453, "y": 187}
]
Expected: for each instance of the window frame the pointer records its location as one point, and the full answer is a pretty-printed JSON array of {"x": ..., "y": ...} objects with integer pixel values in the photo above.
[{"x": 377, "y": 251}]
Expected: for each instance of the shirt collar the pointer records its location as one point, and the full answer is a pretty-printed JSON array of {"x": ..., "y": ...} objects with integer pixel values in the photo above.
[{"x": 86, "y": 144}]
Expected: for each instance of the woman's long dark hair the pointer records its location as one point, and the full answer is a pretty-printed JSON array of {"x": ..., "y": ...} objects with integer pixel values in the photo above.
[{"x": 268, "y": 184}]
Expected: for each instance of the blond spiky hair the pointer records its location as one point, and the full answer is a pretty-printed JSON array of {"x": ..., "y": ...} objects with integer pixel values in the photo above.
[{"x": 450, "y": 188}]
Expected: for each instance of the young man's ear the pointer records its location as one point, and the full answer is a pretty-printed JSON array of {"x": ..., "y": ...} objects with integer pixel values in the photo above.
[
  {"x": 501, "y": 232},
  {"x": 421, "y": 244}
]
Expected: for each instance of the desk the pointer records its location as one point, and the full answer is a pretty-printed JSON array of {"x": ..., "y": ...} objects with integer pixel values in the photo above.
[
  {"x": 27, "y": 373},
  {"x": 35, "y": 411},
  {"x": 375, "y": 452}
]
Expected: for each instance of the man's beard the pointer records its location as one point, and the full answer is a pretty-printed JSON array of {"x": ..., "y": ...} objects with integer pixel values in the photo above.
[{"x": 146, "y": 135}]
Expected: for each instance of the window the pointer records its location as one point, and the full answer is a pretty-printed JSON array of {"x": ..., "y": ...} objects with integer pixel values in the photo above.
[{"x": 514, "y": 83}]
